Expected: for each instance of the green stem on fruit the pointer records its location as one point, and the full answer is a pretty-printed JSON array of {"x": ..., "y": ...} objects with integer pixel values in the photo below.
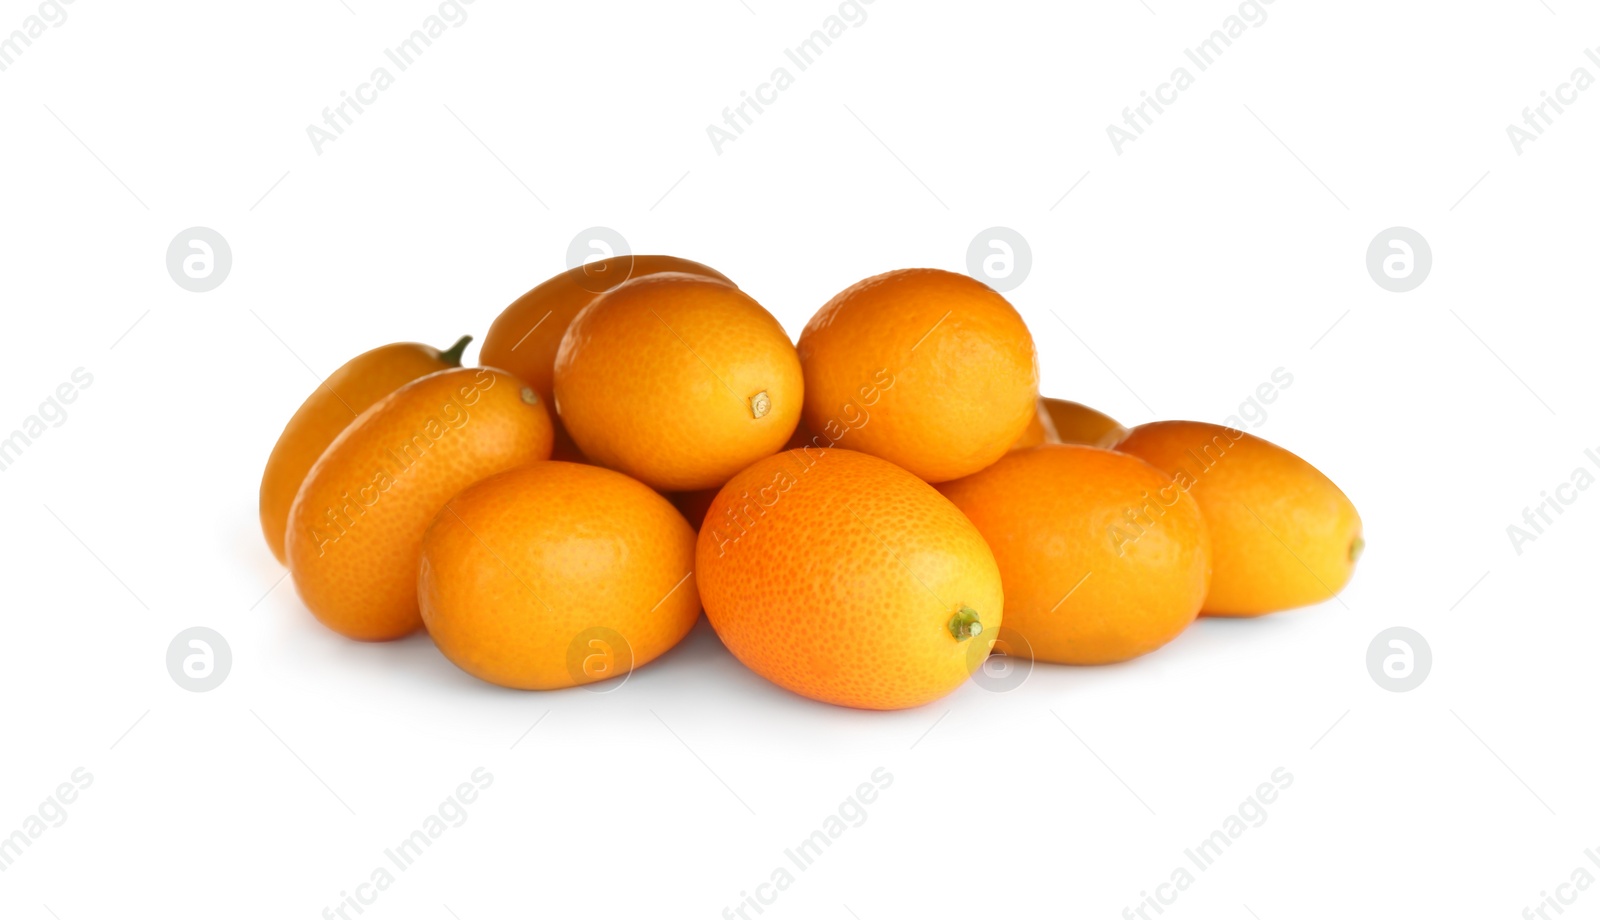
[
  {"x": 965, "y": 624},
  {"x": 452, "y": 355}
]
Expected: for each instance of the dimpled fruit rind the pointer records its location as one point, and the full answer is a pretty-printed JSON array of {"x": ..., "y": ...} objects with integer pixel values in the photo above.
[
  {"x": 843, "y": 578},
  {"x": 678, "y": 380},
  {"x": 928, "y": 369}
]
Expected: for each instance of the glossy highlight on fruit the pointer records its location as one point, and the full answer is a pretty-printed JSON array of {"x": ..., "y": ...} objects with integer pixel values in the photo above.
[
  {"x": 930, "y": 370},
  {"x": 1103, "y": 557},
  {"x": 677, "y": 380},
  {"x": 557, "y": 574},
  {"x": 331, "y": 407},
  {"x": 848, "y": 580},
  {"x": 355, "y": 530},
  {"x": 1282, "y": 534}
]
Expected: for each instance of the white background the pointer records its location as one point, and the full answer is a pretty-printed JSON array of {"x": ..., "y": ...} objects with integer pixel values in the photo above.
[{"x": 1223, "y": 244}]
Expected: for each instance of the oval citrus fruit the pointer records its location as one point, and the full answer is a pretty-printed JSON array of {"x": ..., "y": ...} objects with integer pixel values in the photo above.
[
  {"x": 1282, "y": 534},
  {"x": 677, "y": 380},
  {"x": 845, "y": 579},
  {"x": 557, "y": 574},
  {"x": 525, "y": 336},
  {"x": 927, "y": 369},
  {"x": 331, "y": 407},
  {"x": 355, "y": 530},
  {"x": 1103, "y": 558}
]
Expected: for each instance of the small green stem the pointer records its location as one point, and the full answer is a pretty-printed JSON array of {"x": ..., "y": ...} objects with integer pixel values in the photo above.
[
  {"x": 965, "y": 624},
  {"x": 452, "y": 355}
]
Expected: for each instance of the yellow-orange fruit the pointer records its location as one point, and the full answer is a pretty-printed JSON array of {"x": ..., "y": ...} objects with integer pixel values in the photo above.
[
  {"x": 1040, "y": 430},
  {"x": 1076, "y": 423},
  {"x": 927, "y": 369},
  {"x": 331, "y": 407},
  {"x": 1102, "y": 557},
  {"x": 846, "y": 579},
  {"x": 1282, "y": 534},
  {"x": 355, "y": 530},
  {"x": 557, "y": 574},
  {"x": 677, "y": 380},
  {"x": 525, "y": 337}
]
